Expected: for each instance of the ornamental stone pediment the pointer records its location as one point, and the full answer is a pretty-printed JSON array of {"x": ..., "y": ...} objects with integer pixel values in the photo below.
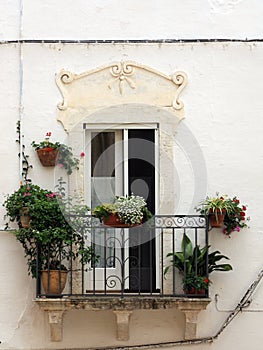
[{"x": 117, "y": 84}]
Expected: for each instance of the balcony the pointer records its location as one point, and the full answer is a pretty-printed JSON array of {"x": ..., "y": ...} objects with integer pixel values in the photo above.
[{"x": 132, "y": 268}]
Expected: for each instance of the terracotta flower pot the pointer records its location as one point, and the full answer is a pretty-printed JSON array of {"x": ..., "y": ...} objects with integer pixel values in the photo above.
[
  {"x": 54, "y": 281},
  {"x": 114, "y": 221},
  {"x": 195, "y": 291},
  {"x": 47, "y": 156},
  {"x": 24, "y": 217},
  {"x": 217, "y": 220}
]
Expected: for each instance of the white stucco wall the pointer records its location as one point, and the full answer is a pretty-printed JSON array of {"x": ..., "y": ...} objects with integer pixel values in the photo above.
[
  {"x": 223, "y": 107},
  {"x": 115, "y": 19}
]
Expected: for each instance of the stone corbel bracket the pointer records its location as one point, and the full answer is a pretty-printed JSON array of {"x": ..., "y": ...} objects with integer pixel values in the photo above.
[
  {"x": 114, "y": 84},
  {"x": 122, "y": 308}
]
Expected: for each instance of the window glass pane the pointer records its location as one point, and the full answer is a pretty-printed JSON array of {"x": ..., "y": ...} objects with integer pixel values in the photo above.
[
  {"x": 103, "y": 154},
  {"x": 103, "y": 190}
]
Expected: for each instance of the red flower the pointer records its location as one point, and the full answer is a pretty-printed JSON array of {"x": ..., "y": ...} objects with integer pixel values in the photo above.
[
  {"x": 82, "y": 154},
  {"x": 236, "y": 201},
  {"x": 48, "y": 134},
  {"x": 242, "y": 213},
  {"x": 244, "y": 208},
  {"x": 206, "y": 280}
]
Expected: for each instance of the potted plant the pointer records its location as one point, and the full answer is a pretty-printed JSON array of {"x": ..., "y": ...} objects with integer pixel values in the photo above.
[
  {"x": 235, "y": 219},
  {"x": 52, "y": 241},
  {"x": 50, "y": 153},
  {"x": 191, "y": 263},
  {"x": 194, "y": 284},
  {"x": 215, "y": 208},
  {"x": 21, "y": 203},
  {"x": 123, "y": 212}
]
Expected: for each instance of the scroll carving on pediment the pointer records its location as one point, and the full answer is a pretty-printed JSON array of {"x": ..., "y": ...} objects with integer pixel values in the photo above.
[{"x": 117, "y": 83}]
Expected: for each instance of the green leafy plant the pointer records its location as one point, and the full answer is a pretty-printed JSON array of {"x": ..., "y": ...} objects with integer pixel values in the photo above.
[
  {"x": 196, "y": 283},
  {"x": 26, "y": 166},
  {"x": 236, "y": 218},
  {"x": 28, "y": 195},
  {"x": 215, "y": 205},
  {"x": 191, "y": 261},
  {"x": 103, "y": 211},
  {"x": 235, "y": 213},
  {"x": 56, "y": 232},
  {"x": 65, "y": 158},
  {"x": 130, "y": 210}
]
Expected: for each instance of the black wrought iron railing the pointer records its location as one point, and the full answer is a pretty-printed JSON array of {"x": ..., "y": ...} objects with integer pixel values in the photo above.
[{"x": 167, "y": 256}]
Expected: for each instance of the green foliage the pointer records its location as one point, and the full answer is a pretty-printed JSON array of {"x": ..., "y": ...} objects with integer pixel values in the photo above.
[
  {"x": 131, "y": 210},
  {"x": 53, "y": 247},
  {"x": 103, "y": 211},
  {"x": 215, "y": 205},
  {"x": 235, "y": 213},
  {"x": 197, "y": 282},
  {"x": 51, "y": 237},
  {"x": 65, "y": 159},
  {"x": 28, "y": 195},
  {"x": 236, "y": 218},
  {"x": 26, "y": 166},
  {"x": 191, "y": 261}
]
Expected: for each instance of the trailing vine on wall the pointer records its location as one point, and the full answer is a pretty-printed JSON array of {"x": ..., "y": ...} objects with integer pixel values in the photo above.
[{"x": 26, "y": 166}]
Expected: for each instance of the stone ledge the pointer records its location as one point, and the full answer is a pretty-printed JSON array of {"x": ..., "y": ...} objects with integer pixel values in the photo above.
[{"x": 122, "y": 308}]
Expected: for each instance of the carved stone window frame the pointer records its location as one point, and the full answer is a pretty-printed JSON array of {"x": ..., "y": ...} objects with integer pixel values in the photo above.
[{"x": 119, "y": 94}]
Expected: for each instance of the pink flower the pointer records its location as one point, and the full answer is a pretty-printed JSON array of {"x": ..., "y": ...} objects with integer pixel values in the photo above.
[
  {"x": 82, "y": 154},
  {"x": 48, "y": 134},
  {"x": 61, "y": 165},
  {"x": 51, "y": 195},
  {"x": 26, "y": 194},
  {"x": 237, "y": 229}
]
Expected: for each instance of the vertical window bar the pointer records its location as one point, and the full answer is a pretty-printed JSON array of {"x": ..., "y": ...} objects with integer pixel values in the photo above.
[
  {"x": 139, "y": 261},
  {"x": 162, "y": 263},
  {"x": 184, "y": 252},
  {"x": 122, "y": 260},
  {"x": 48, "y": 280},
  {"x": 206, "y": 256},
  {"x": 59, "y": 274},
  {"x": 105, "y": 261},
  {"x": 71, "y": 272},
  {"x": 94, "y": 262},
  {"x": 196, "y": 243},
  {"x": 38, "y": 284},
  {"x": 82, "y": 267},
  {"x": 173, "y": 243},
  {"x": 151, "y": 262}
]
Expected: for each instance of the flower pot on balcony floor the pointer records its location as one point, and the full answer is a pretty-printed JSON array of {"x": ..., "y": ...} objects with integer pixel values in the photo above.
[{"x": 54, "y": 281}]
